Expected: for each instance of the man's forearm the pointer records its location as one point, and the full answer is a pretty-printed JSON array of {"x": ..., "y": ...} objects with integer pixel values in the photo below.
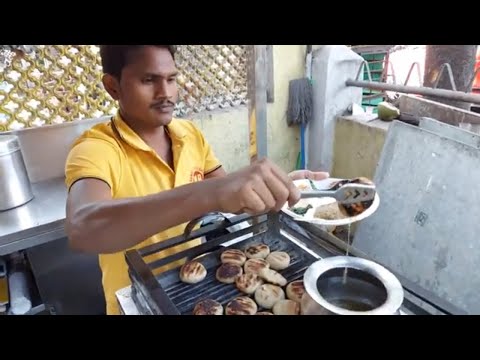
[{"x": 115, "y": 225}]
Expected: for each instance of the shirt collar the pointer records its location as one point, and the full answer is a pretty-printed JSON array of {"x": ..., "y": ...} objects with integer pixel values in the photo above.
[{"x": 174, "y": 129}]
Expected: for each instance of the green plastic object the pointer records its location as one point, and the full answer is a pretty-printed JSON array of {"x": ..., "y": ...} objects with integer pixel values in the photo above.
[{"x": 376, "y": 63}]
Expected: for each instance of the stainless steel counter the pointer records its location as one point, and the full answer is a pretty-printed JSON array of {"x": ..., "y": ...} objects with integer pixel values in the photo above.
[{"x": 39, "y": 221}]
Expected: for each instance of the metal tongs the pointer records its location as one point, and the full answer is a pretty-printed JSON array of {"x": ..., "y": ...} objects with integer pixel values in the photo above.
[{"x": 347, "y": 194}]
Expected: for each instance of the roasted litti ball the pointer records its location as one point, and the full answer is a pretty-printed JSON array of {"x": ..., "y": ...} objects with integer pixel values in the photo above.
[
  {"x": 241, "y": 305},
  {"x": 295, "y": 290},
  {"x": 278, "y": 260},
  {"x": 227, "y": 273},
  {"x": 233, "y": 256},
  {"x": 255, "y": 266},
  {"x": 259, "y": 251},
  {"x": 272, "y": 277},
  {"x": 192, "y": 272},
  {"x": 286, "y": 307},
  {"x": 208, "y": 307},
  {"x": 248, "y": 283},
  {"x": 267, "y": 295}
]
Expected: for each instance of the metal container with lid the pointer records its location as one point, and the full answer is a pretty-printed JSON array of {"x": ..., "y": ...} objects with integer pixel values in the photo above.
[{"x": 15, "y": 187}]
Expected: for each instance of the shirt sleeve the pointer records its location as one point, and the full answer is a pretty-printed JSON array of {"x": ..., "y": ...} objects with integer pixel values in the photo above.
[
  {"x": 93, "y": 158},
  {"x": 211, "y": 162}
]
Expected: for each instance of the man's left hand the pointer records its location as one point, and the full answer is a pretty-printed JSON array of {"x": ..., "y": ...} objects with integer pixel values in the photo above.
[{"x": 307, "y": 174}]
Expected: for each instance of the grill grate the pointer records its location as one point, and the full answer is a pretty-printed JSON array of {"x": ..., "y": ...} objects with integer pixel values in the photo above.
[
  {"x": 181, "y": 298},
  {"x": 185, "y": 296}
]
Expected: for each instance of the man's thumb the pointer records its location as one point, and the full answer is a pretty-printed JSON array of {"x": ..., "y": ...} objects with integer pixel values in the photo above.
[{"x": 317, "y": 175}]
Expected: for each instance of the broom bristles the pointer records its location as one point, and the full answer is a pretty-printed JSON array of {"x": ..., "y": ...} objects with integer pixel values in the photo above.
[{"x": 300, "y": 102}]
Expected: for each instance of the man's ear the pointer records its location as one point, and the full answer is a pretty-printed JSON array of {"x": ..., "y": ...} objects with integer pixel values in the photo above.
[{"x": 112, "y": 86}]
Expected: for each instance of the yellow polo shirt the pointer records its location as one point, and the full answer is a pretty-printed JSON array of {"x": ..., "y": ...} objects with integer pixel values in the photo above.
[{"x": 114, "y": 153}]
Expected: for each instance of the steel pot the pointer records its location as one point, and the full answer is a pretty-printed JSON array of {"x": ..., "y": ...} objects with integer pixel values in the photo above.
[
  {"x": 367, "y": 289},
  {"x": 15, "y": 187}
]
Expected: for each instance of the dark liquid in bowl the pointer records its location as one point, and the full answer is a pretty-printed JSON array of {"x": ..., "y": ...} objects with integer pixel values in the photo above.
[
  {"x": 360, "y": 291},
  {"x": 351, "y": 305}
]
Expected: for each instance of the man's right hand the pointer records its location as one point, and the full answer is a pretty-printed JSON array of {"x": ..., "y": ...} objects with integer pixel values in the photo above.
[{"x": 256, "y": 189}]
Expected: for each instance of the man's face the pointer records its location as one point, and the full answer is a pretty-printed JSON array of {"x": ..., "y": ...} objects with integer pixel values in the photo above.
[{"x": 147, "y": 91}]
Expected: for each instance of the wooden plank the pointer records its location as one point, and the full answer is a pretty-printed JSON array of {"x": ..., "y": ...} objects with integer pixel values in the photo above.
[
  {"x": 257, "y": 101},
  {"x": 422, "y": 107},
  {"x": 270, "y": 75}
]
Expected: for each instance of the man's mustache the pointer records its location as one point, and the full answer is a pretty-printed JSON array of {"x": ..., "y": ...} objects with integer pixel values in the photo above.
[{"x": 163, "y": 103}]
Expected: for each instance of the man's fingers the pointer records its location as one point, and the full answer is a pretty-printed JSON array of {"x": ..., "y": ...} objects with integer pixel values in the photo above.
[
  {"x": 280, "y": 174},
  {"x": 294, "y": 196},
  {"x": 265, "y": 193},
  {"x": 254, "y": 205},
  {"x": 307, "y": 174},
  {"x": 318, "y": 175},
  {"x": 298, "y": 175},
  {"x": 279, "y": 190},
  {"x": 294, "y": 192}
]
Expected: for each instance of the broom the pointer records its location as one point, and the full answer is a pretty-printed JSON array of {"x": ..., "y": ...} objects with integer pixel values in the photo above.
[{"x": 300, "y": 111}]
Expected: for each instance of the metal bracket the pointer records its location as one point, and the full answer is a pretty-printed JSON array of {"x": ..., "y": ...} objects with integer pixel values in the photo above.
[
  {"x": 418, "y": 90},
  {"x": 450, "y": 76},
  {"x": 410, "y": 73},
  {"x": 390, "y": 65},
  {"x": 470, "y": 84},
  {"x": 359, "y": 72}
]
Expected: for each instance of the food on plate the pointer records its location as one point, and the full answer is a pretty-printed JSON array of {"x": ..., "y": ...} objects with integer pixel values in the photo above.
[
  {"x": 233, "y": 256},
  {"x": 259, "y": 251},
  {"x": 278, "y": 260},
  {"x": 241, "y": 305},
  {"x": 272, "y": 277},
  {"x": 332, "y": 211},
  {"x": 301, "y": 210},
  {"x": 335, "y": 210},
  {"x": 227, "y": 273},
  {"x": 248, "y": 283},
  {"x": 192, "y": 272},
  {"x": 359, "y": 180},
  {"x": 264, "y": 313},
  {"x": 303, "y": 187},
  {"x": 295, "y": 290},
  {"x": 286, "y": 307},
  {"x": 268, "y": 295},
  {"x": 208, "y": 307},
  {"x": 255, "y": 265},
  {"x": 357, "y": 208}
]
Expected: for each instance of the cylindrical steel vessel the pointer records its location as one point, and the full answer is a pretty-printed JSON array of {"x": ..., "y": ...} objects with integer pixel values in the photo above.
[
  {"x": 15, "y": 187},
  {"x": 366, "y": 288}
]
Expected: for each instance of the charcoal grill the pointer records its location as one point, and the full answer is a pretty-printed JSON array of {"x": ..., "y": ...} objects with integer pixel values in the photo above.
[{"x": 165, "y": 294}]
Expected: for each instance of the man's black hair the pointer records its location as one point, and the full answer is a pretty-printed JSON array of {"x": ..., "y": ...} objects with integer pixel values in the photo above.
[{"x": 116, "y": 57}]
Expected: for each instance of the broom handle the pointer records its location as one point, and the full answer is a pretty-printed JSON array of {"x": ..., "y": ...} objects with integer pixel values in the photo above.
[
  {"x": 302, "y": 146},
  {"x": 308, "y": 75}
]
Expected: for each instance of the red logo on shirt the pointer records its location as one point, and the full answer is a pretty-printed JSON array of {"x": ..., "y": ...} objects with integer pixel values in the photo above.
[{"x": 197, "y": 175}]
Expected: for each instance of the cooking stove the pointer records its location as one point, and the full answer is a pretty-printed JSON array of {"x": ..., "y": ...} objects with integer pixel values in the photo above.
[{"x": 164, "y": 293}]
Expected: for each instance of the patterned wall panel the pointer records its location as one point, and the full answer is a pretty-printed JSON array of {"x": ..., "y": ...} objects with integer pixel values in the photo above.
[{"x": 60, "y": 83}]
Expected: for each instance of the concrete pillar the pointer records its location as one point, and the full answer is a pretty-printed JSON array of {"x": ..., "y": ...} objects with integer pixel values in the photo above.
[{"x": 332, "y": 65}]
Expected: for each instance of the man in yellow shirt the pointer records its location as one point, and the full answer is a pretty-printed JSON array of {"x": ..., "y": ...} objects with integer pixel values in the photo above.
[{"x": 139, "y": 178}]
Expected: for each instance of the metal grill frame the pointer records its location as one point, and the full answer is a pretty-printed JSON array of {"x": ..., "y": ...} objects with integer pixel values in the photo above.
[
  {"x": 146, "y": 286},
  {"x": 152, "y": 299}
]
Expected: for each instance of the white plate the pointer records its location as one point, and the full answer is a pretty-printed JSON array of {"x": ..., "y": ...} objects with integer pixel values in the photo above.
[{"x": 308, "y": 217}]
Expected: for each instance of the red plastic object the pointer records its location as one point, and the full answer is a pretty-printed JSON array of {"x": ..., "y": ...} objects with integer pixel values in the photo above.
[{"x": 476, "y": 82}]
